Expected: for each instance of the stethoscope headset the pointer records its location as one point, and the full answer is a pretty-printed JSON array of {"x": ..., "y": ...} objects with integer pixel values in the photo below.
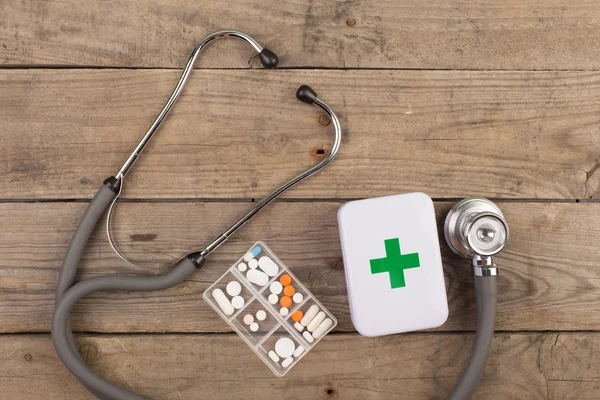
[{"x": 474, "y": 228}]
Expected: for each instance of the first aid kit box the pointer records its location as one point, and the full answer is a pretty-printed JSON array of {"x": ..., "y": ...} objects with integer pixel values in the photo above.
[{"x": 393, "y": 264}]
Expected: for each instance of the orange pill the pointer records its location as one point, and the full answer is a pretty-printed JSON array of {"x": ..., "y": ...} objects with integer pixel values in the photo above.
[
  {"x": 289, "y": 291},
  {"x": 297, "y": 316},
  {"x": 285, "y": 280},
  {"x": 285, "y": 301}
]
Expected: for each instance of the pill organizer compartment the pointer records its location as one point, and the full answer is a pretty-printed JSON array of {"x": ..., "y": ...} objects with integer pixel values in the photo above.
[
  {"x": 281, "y": 351},
  {"x": 258, "y": 295},
  {"x": 283, "y": 294},
  {"x": 312, "y": 321},
  {"x": 255, "y": 321},
  {"x": 232, "y": 292}
]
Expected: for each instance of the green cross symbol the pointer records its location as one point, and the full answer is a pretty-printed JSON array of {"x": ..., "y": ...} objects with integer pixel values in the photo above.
[{"x": 395, "y": 263}]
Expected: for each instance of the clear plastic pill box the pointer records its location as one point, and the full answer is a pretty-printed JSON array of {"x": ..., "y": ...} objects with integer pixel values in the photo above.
[{"x": 270, "y": 309}]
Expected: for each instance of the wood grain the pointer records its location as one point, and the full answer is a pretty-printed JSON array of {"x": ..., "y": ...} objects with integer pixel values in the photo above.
[
  {"x": 438, "y": 34},
  {"x": 549, "y": 275},
  {"x": 236, "y": 134},
  {"x": 414, "y": 366}
]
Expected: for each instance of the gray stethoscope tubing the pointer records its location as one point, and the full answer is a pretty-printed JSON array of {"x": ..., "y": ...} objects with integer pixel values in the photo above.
[
  {"x": 475, "y": 228},
  {"x": 68, "y": 294}
]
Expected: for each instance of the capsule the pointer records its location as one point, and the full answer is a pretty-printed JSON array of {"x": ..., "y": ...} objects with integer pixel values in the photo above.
[
  {"x": 274, "y": 356},
  {"x": 322, "y": 328},
  {"x": 316, "y": 321},
  {"x": 223, "y": 302},
  {"x": 252, "y": 253},
  {"x": 310, "y": 314},
  {"x": 257, "y": 277},
  {"x": 286, "y": 363},
  {"x": 308, "y": 336},
  {"x": 267, "y": 265},
  {"x": 299, "y": 350}
]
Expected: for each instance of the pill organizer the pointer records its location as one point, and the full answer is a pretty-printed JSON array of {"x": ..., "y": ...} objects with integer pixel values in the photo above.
[{"x": 270, "y": 309}]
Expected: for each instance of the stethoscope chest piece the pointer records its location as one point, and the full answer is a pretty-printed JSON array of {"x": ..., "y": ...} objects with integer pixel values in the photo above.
[{"x": 475, "y": 226}]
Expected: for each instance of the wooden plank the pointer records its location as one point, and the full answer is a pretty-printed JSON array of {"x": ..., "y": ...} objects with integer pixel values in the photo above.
[
  {"x": 236, "y": 134},
  {"x": 453, "y": 34},
  {"x": 412, "y": 366},
  {"x": 549, "y": 275}
]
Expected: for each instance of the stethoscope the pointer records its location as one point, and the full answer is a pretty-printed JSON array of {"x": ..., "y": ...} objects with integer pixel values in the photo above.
[
  {"x": 474, "y": 228},
  {"x": 67, "y": 294}
]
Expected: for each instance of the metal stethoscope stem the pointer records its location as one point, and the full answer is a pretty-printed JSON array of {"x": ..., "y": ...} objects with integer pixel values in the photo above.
[
  {"x": 281, "y": 189},
  {"x": 187, "y": 70},
  {"x": 269, "y": 60}
]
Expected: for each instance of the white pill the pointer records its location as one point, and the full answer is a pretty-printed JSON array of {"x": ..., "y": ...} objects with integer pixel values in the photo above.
[
  {"x": 223, "y": 301},
  {"x": 257, "y": 277},
  {"x": 308, "y": 336},
  {"x": 299, "y": 350},
  {"x": 237, "y": 302},
  {"x": 298, "y": 297},
  {"x": 254, "y": 327},
  {"x": 248, "y": 256},
  {"x": 276, "y": 287},
  {"x": 242, "y": 267},
  {"x": 267, "y": 265},
  {"x": 273, "y": 299},
  {"x": 314, "y": 324},
  {"x": 310, "y": 314},
  {"x": 253, "y": 263},
  {"x": 274, "y": 356},
  {"x": 261, "y": 315},
  {"x": 320, "y": 331},
  {"x": 284, "y": 347},
  {"x": 234, "y": 288},
  {"x": 284, "y": 311},
  {"x": 248, "y": 319},
  {"x": 298, "y": 327},
  {"x": 286, "y": 363}
]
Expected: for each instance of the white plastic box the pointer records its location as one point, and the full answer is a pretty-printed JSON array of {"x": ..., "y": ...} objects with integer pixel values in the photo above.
[
  {"x": 393, "y": 264},
  {"x": 275, "y": 326}
]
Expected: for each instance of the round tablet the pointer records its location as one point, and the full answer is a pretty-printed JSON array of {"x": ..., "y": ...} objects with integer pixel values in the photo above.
[
  {"x": 298, "y": 298},
  {"x": 254, "y": 327},
  {"x": 289, "y": 291},
  {"x": 285, "y": 279},
  {"x": 237, "y": 302},
  {"x": 242, "y": 267},
  {"x": 284, "y": 311},
  {"x": 261, "y": 315},
  {"x": 273, "y": 299},
  {"x": 285, "y": 347},
  {"x": 234, "y": 288},
  {"x": 285, "y": 301},
  {"x": 253, "y": 263},
  {"x": 248, "y": 319},
  {"x": 276, "y": 287},
  {"x": 297, "y": 316}
]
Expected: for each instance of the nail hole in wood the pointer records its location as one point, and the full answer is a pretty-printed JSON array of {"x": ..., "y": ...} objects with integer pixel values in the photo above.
[
  {"x": 320, "y": 152},
  {"x": 324, "y": 120}
]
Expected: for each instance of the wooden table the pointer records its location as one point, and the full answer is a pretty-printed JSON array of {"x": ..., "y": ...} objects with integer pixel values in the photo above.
[{"x": 454, "y": 98}]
